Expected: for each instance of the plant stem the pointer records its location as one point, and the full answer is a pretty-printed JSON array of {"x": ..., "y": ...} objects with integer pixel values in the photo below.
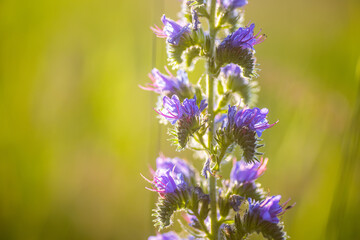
[
  {"x": 210, "y": 94},
  {"x": 203, "y": 225}
]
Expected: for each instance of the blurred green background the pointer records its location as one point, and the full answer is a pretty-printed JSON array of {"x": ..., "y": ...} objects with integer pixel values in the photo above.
[{"x": 76, "y": 130}]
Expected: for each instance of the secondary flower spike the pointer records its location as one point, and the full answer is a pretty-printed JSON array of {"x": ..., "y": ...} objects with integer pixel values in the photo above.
[
  {"x": 172, "y": 30},
  {"x": 243, "y": 172},
  {"x": 244, "y": 38},
  {"x": 268, "y": 209}
]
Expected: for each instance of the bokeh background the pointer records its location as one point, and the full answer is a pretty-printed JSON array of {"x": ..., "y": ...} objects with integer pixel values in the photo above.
[{"x": 76, "y": 130}]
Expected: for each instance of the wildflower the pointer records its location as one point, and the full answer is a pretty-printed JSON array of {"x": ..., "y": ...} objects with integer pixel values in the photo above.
[
  {"x": 243, "y": 172},
  {"x": 172, "y": 30},
  {"x": 191, "y": 108},
  {"x": 166, "y": 181},
  {"x": 232, "y": 4},
  {"x": 165, "y": 236},
  {"x": 169, "y": 84},
  {"x": 241, "y": 127},
  {"x": 254, "y": 119},
  {"x": 269, "y": 209},
  {"x": 177, "y": 164},
  {"x": 243, "y": 38},
  {"x": 174, "y": 110}
]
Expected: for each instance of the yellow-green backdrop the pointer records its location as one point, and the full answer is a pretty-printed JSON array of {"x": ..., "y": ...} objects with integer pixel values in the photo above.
[{"x": 76, "y": 130}]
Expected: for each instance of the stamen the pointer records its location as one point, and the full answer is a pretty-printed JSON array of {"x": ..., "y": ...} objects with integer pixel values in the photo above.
[{"x": 152, "y": 182}]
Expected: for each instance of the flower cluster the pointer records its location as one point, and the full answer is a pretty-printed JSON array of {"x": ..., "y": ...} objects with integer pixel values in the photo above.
[
  {"x": 174, "y": 110},
  {"x": 253, "y": 119},
  {"x": 166, "y": 181},
  {"x": 171, "y": 174},
  {"x": 169, "y": 84},
  {"x": 244, "y": 38},
  {"x": 269, "y": 209},
  {"x": 172, "y": 30},
  {"x": 178, "y": 165},
  {"x": 243, "y": 172}
]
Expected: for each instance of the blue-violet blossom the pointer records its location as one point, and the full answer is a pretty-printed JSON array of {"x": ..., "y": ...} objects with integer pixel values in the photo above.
[
  {"x": 268, "y": 209},
  {"x": 166, "y": 181},
  {"x": 252, "y": 118},
  {"x": 244, "y": 38},
  {"x": 243, "y": 172},
  {"x": 178, "y": 165},
  {"x": 175, "y": 110},
  {"x": 172, "y": 30},
  {"x": 167, "y": 83}
]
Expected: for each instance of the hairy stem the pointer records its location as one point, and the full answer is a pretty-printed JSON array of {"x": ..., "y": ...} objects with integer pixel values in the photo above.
[{"x": 210, "y": 93}]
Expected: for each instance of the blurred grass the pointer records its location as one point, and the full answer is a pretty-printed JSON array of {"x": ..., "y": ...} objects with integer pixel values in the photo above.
[{"x": 76, "y": 130}]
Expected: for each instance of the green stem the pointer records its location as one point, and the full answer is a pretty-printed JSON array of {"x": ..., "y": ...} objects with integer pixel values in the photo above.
[
  {"x": 210, "y": 93},
  {"x": 213, "y": 215},
  {"x": 203, "y": 225}
]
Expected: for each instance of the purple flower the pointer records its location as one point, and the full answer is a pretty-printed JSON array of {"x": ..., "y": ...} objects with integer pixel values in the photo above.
[
  {"x": 191, "y": 108},
  {"x": 244, "y": 38},
  {"x": 254, "y": 119},
  {"x": 232, "y": 4},
  {"x": 174, "y": 110},
  {"x": 166, "y": 181},
  {"x": 172, "y": 31},
  {"x": 178, "y": 165},
  {"x": 165, "y": 236},
  {"x": 164, "y": 83},
  {"x": 243, "y": 172},
  {"x": 268, "y": 209}
]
